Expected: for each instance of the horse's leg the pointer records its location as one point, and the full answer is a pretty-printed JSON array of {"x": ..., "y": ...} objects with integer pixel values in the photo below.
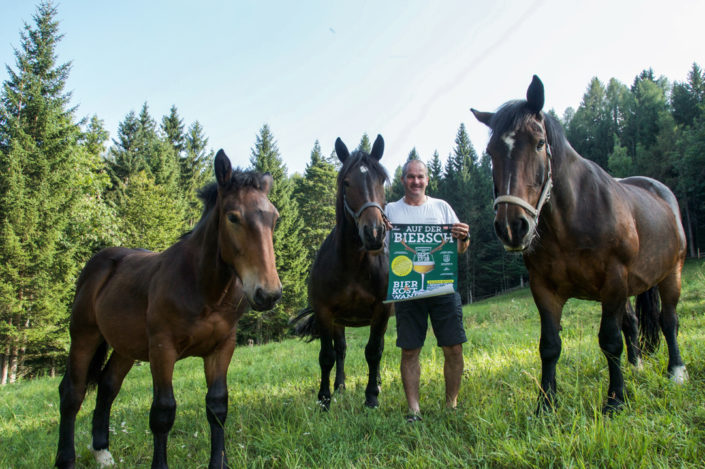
[
  {"x": 373, "y": 355},
  {"x": 84, "y": 344},
  {"x": 110, "y": 381},
  {"x": 550, "y": 308},
  {"x": 610, "y": 338},
  {"x": 326, "y": 359},
  {"x": 670, "y": 291},
  {"x": 216, "y": 369},
  {"x": 161, "y": 415},
  {"x": 630, "y": 329},
  {"x": 340, "y": 346}
]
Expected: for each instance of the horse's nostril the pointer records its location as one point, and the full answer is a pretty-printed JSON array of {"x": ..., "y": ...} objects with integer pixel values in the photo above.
[
  {"x": 520, "y": 227},
  {"x": 264, "y": 300}
]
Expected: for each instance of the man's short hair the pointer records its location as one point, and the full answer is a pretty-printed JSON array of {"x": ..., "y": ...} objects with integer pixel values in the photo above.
[{"x": 406, "y": 166}]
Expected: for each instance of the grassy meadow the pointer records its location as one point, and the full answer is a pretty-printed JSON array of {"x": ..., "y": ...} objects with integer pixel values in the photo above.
[{"x": 274, "y": 420}]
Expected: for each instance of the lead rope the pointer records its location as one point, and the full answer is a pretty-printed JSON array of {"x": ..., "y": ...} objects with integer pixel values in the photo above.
[{"x": 227, "y": 287}]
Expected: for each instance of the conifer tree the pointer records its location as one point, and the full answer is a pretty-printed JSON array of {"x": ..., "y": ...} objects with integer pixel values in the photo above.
[
  {"x": 39, "y": 194},
  {"x": 196, "y": 163},
  {"x": 435, "y": 172},
  {"x": 141, "y": 162},
  {"x": 395, "y": 190},
  {"x": 288, "y": 247},
  {"x": 365, "y": 144},
  {"x": 315, "y": 194},
  {"x": 173, "y": 128},
  {"x": 95, "y": 224}
]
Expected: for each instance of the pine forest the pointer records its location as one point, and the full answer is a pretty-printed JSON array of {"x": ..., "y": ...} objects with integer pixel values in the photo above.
[{"x": 66, "y": 191}]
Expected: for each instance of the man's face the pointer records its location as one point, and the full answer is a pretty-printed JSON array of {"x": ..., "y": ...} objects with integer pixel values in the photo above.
[{"x": 415, "y": 180}]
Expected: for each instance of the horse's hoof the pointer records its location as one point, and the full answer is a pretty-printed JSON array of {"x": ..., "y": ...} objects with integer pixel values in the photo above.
[
  {"x": 638, "y": 364},
  {"x": 679, "y": 374},
  {"x": 102, "y": 457},
  {"x": 545, "y": 406},
  {"x": 612, "y": 406},
  {"x": 371, "y": 404},
  {"x": 325, "y": 404},
  {"x": 219, "y": 464}
]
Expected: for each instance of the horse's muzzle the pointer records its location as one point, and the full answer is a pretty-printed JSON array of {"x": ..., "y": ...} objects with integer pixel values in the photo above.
[
  {"x": 264, "y": 300},
  {"x": 373, "y": 237},
  {"x": 515, "y": 233}
]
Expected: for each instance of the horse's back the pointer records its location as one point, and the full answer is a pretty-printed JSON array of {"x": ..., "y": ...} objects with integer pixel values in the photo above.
[
  {"x": 657, "y": 205},
  {"x": 658, "y": 190}
]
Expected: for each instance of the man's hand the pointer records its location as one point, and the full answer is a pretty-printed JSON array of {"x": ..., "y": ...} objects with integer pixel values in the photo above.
[{"x": 461, "y": 231}]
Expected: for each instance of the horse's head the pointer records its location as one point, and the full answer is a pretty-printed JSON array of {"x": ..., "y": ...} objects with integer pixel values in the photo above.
[
  {"x": 361, "y": 193},
  {"x": 521, "y": 166},
  {"x": 246, "y": 222}
]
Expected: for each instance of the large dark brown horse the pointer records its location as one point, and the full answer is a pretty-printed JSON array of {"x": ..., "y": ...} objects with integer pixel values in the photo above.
[
  {"x": 584, "y": 234},
  {"x": 349, "y": 276},
  {"x": 162, "y": 307}
]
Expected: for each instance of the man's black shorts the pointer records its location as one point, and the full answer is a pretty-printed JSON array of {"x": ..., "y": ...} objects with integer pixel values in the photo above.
[{"x": 446, "y": 314}]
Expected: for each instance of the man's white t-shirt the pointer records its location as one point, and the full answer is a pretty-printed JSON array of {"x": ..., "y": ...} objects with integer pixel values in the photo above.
[{"x": 432, "y": 212}]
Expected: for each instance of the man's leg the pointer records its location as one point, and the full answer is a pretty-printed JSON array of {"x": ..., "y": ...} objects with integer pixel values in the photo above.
[
  {"x": 453, "y": 372},
  {"x": 410, "y": 377}
]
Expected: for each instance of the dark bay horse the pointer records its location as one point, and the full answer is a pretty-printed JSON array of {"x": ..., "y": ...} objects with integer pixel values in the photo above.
[
  {"x": 584, "y": 234},
  {"x": 162, "y": 307},
  {"x": 349, "y": 276}
]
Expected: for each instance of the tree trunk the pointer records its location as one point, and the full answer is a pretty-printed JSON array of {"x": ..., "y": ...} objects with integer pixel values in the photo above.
[
  {"x": 13, "y": 363},
  {"x": 5, "y": 362},
  {"x": 258, "y": 329}
]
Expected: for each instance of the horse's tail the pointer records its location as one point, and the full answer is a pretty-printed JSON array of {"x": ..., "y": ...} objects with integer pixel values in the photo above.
[
  {"x": 648, "y": 309},
  {"x": 305, "y": 324},
  {"x": 96, "y": 366}
]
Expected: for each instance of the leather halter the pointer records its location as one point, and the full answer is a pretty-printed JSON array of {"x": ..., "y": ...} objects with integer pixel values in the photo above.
[
  {"x": 545, "y": 194},
  {"x": 356, "y": 215}
]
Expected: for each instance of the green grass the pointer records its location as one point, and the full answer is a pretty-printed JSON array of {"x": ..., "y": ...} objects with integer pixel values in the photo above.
[{"x": 274, "y": 420}]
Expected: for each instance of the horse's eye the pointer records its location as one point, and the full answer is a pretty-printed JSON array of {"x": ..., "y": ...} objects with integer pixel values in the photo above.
[
  {"x": 541, "y": 144},
  {"x": 233, "y": 218}
]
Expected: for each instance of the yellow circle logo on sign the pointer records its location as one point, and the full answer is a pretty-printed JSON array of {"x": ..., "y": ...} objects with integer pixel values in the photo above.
[{"x": 401, "y": 266}]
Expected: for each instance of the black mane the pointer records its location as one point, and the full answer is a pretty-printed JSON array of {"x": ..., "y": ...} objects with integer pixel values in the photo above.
[{"x": 513, "y": 113}]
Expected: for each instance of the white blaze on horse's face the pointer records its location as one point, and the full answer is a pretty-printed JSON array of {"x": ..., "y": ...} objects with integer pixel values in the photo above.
[
  {"x": 363, "y": 169},
  {"x": 509, "y": 139}
]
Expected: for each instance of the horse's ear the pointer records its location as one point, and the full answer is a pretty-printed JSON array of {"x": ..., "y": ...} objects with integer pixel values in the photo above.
[
  {"x": 223, "y": 169},
  {"x": 377, "y": 148},
  {"x": 484, "y": 117},
  {"x": 535, "y": 95},
  {"x": 341, "y": 150},
  {"x": 267, "y": 182}
]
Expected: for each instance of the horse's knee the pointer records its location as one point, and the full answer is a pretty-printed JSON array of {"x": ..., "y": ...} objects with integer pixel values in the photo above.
[
  {"x": 217, "y": 405},
  {"x": 373, "y": 353},
  {"x": 162, "y": 414},
  {"x": 550, "y": 350},
  {"x": 611, "y": 342},
  {"x": 326, "y": 358}
]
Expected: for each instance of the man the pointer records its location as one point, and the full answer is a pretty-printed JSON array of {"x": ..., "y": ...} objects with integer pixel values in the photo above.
[{"x": 445, "y": 311}]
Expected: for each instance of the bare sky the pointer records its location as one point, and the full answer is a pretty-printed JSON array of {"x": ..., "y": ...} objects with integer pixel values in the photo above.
[{"x": 316, "y": 70}]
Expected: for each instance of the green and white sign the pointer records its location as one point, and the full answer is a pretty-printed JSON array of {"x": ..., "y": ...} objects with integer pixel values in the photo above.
[{"x": 423, "y": 262}]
